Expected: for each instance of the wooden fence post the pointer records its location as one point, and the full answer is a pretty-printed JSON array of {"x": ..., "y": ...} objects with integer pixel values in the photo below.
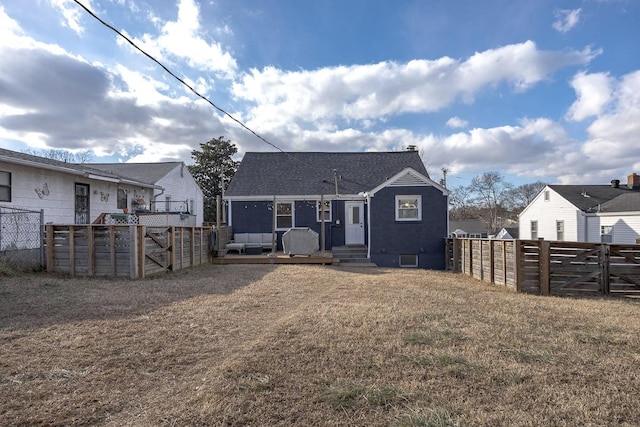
[
  {"x": 544, "y": 259},
  {"x": 492, "y": 269},
  {"x": 91, "y": 251},
  {"x": 112, "y": 249},
  {"x": 457, "y": 246},
  {"x": 72, "y": 251},
  {"x": 605, "y": 260},
  {"x": 51, "y": 268},
  {"x": 469, "y": 244},
  {"x": 133, "y": 252},
  {"x": 518, "y": 248}
]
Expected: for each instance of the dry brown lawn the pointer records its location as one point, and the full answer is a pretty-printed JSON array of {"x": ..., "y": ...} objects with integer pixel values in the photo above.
[{"x": 310, "y": 345}]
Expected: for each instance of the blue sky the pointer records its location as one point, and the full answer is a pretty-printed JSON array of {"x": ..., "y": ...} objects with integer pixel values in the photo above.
[{"x": 537, "y": 90}]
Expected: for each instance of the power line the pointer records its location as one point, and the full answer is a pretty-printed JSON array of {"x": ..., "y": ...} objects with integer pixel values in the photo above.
[{"x": 179, "y": 79}]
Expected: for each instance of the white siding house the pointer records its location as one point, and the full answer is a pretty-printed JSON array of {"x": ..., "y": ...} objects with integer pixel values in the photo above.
[
  {"x": 79, "y": 193},
  {"x": 584, "y": 213},
  {"x": 177, "y": 190}
]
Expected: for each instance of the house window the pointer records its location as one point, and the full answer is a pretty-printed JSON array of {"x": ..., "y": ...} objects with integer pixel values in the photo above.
[
  {"x": 167, "y": 203},
  {"x": 409, "y": 260},
  {"x": 122, "y": 199},
  {"x": 323, "y": 211},
  {"x": 534, "y": 230},
  {"x": 284, "y": 215},
  {"x": 606, "y": 233},
  {"x": 560, "y": 230},
  {"x": 408, "y": 208},
  {"x": 5, "y": 186},
  {"x": 546, "y": 195}
]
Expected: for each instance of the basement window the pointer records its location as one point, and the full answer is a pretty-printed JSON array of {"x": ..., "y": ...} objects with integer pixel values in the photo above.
[
  {"x": 409, "y": 260},
  {"x": 5, "y": 186}
]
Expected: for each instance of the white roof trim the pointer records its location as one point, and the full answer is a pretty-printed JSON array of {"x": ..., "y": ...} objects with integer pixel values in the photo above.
[{"x": 409, "y": 177}]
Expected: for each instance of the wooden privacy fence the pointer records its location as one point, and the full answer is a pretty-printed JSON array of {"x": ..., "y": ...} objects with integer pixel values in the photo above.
[
  {"x": 549, "y": 267},
  {"x": 133, "y": 251}
]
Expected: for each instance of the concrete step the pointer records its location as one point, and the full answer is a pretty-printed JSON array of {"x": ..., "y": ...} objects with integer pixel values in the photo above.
[
  {"x": 355, "y": 263},
  {"x": 346, "y": 251}
]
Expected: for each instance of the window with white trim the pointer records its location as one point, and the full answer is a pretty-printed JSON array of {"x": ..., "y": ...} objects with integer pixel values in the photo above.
[
  {"x": 546, "y": 195},
  {"x": 534, "y": 230},
  {"x": 606, "y": 233},
  {"x": 5, "y": 186},
  {"x": 560, "y": 230},
  {"x": 284, "y": 215},
  {"x": 323, "y": 211},
  {"x": 408, "y": 208}
]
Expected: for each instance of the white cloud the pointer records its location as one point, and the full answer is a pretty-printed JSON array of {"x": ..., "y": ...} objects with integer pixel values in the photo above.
[
  {"x": 594, "y": 94},
  {"x": 566, "y": 19},
  {"x": 457, "y": 122},
  {"x": 375, "y": 91},
  {"x": 71, "y": 13},
  {"x": 613, "y": 137},
  {"x": 185, "y": 39}
]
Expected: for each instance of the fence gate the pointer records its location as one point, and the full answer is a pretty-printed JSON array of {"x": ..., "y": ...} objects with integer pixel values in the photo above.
[
  {"x": 157, "y": 250},
  {"x": 21, "y": 246}
]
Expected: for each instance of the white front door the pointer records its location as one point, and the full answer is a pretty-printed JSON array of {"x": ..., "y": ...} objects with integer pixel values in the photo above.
[{"x": 354, "y": 227}]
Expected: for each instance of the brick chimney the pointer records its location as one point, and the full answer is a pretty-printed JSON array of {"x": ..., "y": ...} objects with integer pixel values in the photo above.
[{"x": 633, "y": 181}]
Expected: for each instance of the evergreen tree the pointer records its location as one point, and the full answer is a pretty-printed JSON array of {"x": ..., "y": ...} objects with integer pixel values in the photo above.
[{"x": 213, "y": 168}]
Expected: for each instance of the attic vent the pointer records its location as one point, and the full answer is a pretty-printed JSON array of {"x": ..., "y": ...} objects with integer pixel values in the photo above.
[{"x": 408, "y": 180}]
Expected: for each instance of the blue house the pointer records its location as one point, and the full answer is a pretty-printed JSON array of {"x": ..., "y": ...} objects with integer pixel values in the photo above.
[{"x": 381, "y": 202}]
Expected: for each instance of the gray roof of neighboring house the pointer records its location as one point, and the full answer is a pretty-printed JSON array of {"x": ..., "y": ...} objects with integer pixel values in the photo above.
[
  {"x": 76, "y": 168},
  {"x": 144, "y": 172},
  {"x": 312, "y": 173},
  {"x": 600, "y": 198},
  {"x": 513, "y": 231},
  {"x": 471, "y": 226}
]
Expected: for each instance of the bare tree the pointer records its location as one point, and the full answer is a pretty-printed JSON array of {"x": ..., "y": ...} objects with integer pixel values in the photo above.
[
  {"x": 63, "y": 155},
  {"x": 461, "y": 203},
  {"x": 522, "y": 195},
  {"x": 491, "y": 197}
]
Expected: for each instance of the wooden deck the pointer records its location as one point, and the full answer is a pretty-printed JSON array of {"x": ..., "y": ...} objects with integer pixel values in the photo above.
[{"x": 277, "y": 258}]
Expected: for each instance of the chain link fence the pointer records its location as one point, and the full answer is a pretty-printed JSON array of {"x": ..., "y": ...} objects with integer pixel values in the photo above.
[{"x": 21, "y": 238}]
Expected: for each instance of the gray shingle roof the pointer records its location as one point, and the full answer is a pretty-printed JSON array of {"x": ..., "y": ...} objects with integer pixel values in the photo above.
[
  {"x": 600, "y": 198},
  {"x": 143, "y": 172},
  {"x": 311, "y": 173},
  {"x": 80, "y": 168}
]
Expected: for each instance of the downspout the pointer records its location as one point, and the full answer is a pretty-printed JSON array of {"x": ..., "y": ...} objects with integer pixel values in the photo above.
[
  {"x": 155, "y": 205},
  {"x": 368, "y": 200}
]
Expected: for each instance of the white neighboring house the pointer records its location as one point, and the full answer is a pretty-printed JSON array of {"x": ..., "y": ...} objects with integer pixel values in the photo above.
[
  {"x": 584, "y": 213},
  {"x": 178, "y": 191},
  {"x": 79, "y": 193}
]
